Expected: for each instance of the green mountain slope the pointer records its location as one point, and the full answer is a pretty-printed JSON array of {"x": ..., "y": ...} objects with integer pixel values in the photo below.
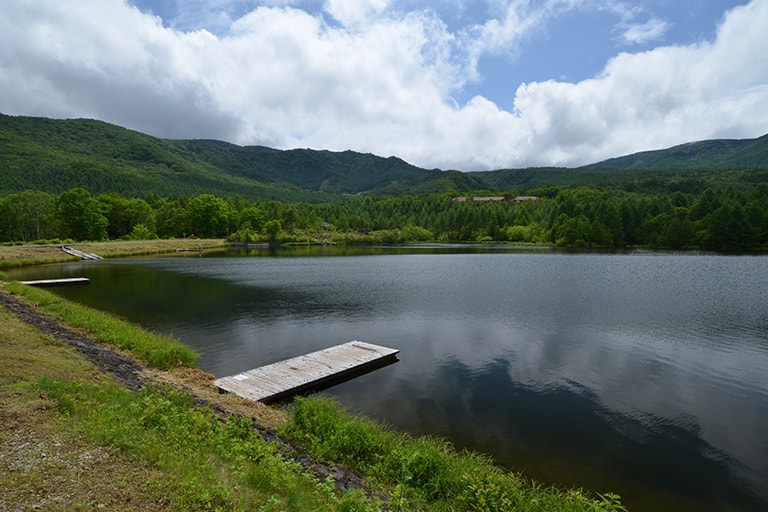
[
  {"x": 344, "y": 172},
  {"x": 56, "y": 155},
  {"x": 718, "y": 153}
]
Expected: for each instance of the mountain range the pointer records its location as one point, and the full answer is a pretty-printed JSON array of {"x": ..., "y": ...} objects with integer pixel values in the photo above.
[{"x": 56, "y": 155}]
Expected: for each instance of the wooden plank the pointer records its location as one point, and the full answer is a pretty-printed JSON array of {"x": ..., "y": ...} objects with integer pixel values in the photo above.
[
  {"x": 80, "y": 254},
  {"x": 299, "y": 374},
  {"x": 71, "y": 281}
]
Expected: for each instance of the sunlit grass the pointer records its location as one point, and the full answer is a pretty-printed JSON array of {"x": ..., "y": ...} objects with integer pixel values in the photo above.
[
  {"x": 207, "y": 463},
  {"x": 426, "y": 473},
  {"x": 210, "y": 464}
]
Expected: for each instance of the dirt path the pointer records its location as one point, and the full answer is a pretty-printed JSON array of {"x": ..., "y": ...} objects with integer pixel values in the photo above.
[{"x": 132, "y": 375}]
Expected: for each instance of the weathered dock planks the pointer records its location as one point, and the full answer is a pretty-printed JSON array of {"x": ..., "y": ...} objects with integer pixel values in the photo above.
[
  {"x": 80, "y": 254},
  {"x": 286, "y": 378},
  {"x": 70, "y": 281}
]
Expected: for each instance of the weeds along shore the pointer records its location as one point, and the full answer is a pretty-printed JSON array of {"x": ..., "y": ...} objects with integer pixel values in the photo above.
[{"x": 172, "y": 442}]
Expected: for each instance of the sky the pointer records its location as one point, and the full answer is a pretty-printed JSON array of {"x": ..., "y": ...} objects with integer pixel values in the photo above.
[{"x": 451, "y": 84}]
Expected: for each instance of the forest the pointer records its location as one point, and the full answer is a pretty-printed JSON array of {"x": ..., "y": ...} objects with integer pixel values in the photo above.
[
  {"x": 86, "y": 180},
  {"x": 727, "y": 219}
]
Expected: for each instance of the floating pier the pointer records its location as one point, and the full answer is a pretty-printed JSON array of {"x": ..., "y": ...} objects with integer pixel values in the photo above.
[
  {"x": 45, "y": 283},
  {"x": 300, "y": 374}
]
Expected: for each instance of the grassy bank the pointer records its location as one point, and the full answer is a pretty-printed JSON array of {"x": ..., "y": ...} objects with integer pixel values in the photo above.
[
  {"x": 76, "y": 440},
  {"x": 426, "y": 473},
  {"x": 154, "y": 350},
  {"x": 19, "y": 255}
]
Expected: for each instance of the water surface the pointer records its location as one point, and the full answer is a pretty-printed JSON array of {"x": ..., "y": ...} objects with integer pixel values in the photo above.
[{"x": 643, "y": 374}]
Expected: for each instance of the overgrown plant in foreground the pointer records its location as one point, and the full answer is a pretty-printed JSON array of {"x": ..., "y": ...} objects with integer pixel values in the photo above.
[
  {"x": 157, "y": 351},
  {"x": 426, "y": 473},
  {"x": 206, "y": 463}
]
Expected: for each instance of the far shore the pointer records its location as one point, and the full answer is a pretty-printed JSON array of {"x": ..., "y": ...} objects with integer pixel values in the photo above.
[{"x": 20, "y": 255}]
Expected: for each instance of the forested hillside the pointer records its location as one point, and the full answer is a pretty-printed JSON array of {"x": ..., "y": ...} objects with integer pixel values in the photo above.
[
  {"x": 86, "y": 180},
  {"x": 708, "y": 154},
  {"x": 54, "y": 156}
]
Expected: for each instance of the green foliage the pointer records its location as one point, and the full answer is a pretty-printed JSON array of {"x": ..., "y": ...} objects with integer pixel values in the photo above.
[
  {"x": 251, "y": 217},
  {"x": 141, "y": 232},
  {"x": 722, "y": 219},
  {"x": 355, "y": 441},
  {"x": 713, "y": 208},
  {"x": 206, "y": 463},
  {"x": 272, "y": 229},
  {"x": 27, "y": 216},
  {"x": 720, "y": 153},
  {"x": 243, "y": 235},
  {"x": 80, "y": 215},
  {"x": 426, "y": 473},
  {"x": 54, "y": 156},
  {"x": 209, "y": 216},
  {"x": 124, "y": 214}
]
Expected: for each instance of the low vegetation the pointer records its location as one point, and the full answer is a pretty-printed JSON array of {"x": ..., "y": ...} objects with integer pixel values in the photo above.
[
  {"x": 44, "y": 463},
  {"x": 18, "y": 255},
  {"x": 76, "y": 424},
  {"x": 426, "y": 473},
  {"x": 74, "y": 440},
  {"x": 152, "y": 349}
]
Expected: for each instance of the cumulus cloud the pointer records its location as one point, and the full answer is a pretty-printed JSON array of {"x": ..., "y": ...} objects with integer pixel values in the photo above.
[{"x": 371, "y": 77}]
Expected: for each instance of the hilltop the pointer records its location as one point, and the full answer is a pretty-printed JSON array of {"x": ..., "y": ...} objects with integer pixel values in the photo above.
[{"x": 56, "y": 155}]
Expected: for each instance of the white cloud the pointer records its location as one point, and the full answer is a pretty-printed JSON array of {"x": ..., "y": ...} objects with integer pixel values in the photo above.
[
  {"x": 355, "y": 12},
  {"x": 642, "y": 33},
  {"x": 377, "y": 80},
  {"x": 657, "y": 98}
]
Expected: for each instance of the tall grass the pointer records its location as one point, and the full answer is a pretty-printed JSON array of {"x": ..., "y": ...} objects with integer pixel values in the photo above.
[
  {"x": 427, "y": 473},
  {"x": 154, "y": 350}
]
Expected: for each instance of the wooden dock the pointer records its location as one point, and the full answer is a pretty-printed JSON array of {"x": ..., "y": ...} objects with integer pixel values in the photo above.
[
  {"x": 80, "y": 254},
  {"x": 311, "y": 371},
  {"x": 44, "y": 283}
]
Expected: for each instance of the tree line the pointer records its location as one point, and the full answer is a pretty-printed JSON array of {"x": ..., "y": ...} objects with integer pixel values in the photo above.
[{"x": 723, "y": 220}]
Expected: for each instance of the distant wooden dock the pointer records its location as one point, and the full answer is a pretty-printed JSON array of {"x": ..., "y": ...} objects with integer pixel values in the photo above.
[
  {"x": 45, "y": 283},
  {"x": 286, "y": 378},
  {"x": 80, "y": 254}
]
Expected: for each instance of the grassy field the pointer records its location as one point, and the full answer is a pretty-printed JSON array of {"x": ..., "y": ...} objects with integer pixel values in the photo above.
[
  {"x": 73, "y": 439},
  {"x": 17, "y": 255}
]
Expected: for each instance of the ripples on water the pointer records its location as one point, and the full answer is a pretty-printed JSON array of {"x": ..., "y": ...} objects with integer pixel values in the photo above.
[{"x": 643, "y": 374}]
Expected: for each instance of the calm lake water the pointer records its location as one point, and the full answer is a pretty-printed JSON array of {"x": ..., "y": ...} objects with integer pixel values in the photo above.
[{"x": 644, "y": 374}]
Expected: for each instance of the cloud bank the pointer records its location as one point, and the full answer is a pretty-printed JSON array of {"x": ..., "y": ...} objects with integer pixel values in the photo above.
[{"x": 373, "y": 77}]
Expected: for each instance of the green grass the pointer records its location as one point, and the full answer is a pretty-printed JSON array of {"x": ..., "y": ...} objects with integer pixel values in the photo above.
[
  {"x": 427, "y": 473},
  {"x": 154, "y": 350},
  {"x": 206, "y": 463}
]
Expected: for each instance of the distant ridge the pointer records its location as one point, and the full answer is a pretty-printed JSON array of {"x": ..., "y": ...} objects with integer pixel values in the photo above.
[
  {"x": 716, "y": 153},
  {"x": 56, "y": 155}
]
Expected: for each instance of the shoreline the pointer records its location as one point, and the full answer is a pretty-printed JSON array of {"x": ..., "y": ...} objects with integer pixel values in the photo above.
[
  {"x": 199, "y": 385},
  {"x": 12, "y": 256}
]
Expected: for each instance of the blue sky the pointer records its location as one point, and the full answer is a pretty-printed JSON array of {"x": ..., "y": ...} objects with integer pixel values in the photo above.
[{"x": 457, "y": 84}]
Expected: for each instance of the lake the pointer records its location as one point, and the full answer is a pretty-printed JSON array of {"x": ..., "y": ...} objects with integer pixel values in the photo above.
[{"x": 643, "y": 373}]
